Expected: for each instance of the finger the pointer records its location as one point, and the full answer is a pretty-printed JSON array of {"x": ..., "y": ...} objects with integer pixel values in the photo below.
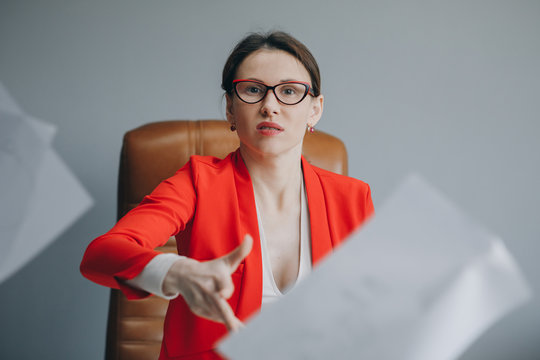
[
  {"x": 229, "y": 319},
  {"x": 239, "y": 325},
  {"x": 226, "y": 287},
  {"x": 234, "y": 258}
]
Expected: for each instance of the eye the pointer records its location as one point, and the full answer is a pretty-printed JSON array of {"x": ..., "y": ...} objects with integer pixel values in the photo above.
[
  {"x": 253, "y": 90},
  {"x": 288, "y": 90}
]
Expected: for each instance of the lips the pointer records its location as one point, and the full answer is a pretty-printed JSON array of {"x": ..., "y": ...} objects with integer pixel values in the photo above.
[{"x": 268, "y": 125}]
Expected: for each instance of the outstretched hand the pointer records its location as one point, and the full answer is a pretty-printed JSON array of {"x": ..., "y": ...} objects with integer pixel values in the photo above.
[{"x": 207, "y": 285}]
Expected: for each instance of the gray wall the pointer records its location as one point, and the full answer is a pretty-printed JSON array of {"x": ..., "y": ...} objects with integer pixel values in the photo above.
[{"x": 450, "y": 89}]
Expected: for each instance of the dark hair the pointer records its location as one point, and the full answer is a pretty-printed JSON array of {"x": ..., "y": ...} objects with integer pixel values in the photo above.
[{"x": 273, "y": 40}]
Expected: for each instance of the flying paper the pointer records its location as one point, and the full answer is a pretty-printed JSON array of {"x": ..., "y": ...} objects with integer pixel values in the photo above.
[
  {"x": 420, "y": 281},
  {"x": 39, "y": 195}
]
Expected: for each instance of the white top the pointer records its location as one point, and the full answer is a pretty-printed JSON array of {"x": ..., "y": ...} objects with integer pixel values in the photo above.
[
  {"x": 151, "y": 277},
  {"x": 271, "y": 291}
]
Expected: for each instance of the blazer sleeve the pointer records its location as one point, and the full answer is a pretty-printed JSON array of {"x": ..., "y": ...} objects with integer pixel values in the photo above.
[{"x": 124, "y": 251}]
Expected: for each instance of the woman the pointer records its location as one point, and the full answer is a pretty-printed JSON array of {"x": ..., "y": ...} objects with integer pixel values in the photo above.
[{"x": 249, "y": 226}]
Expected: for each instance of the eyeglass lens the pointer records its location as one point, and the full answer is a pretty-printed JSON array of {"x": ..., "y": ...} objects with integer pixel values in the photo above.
[{"x": 287, "y": 93}]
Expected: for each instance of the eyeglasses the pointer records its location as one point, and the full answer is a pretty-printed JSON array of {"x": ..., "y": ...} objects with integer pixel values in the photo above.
[{"x": 288, "y": 93}]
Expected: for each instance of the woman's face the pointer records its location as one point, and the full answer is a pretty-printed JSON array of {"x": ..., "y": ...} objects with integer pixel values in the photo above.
[{"x": 270, "y": 127}]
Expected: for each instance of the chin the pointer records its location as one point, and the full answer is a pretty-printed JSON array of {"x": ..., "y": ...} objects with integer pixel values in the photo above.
[{"x": 274, "y": 150}]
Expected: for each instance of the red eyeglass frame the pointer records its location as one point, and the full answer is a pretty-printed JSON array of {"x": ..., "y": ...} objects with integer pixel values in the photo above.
[{"x": 306, "y": 84}]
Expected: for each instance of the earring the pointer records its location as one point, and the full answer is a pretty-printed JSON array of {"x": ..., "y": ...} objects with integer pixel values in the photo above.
[
  {"x": 233, "y": 127},
  {"x": 311, "y": 129}
]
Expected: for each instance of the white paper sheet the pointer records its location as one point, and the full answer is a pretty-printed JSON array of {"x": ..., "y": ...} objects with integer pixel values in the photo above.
[
  {"x": 40, "y": 197},
  {"x": 420, "y": 281},
  {"x": 7, "y": 103},
  {"x": 21, "y": 154}
]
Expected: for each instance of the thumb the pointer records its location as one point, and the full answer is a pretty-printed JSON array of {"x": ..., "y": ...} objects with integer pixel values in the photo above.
[{"x": 234, "y": 258}]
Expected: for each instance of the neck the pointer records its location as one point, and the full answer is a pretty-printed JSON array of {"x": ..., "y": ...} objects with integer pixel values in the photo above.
[{"x": 276, "y": 178}]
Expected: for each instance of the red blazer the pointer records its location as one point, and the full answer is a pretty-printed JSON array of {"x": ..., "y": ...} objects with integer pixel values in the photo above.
[{"x": 209, "y": 205}]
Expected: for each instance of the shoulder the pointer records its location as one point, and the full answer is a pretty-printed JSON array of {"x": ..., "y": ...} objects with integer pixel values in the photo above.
[
  {"x": 346, "y": 200},
  {"x": 205, "y": 164},
  {"x": 340, "y": 183},
  {"x": 210, "y": 165},
  {"x": 209, "y": 161},
  {"x": 204, "y": 170},
  {"x": 345, "y": 192}
]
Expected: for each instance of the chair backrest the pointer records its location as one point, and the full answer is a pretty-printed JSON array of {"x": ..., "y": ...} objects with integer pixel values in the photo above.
[{"x": 150, "y": 154}]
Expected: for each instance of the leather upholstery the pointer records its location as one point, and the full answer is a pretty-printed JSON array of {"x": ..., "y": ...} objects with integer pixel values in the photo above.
[{"x": 150, "y": 154}]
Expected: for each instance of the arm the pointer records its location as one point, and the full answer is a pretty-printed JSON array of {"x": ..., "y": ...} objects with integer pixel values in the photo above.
[
  {"x": 124, "y": 251},
  {"x": 123, "y": 257}
]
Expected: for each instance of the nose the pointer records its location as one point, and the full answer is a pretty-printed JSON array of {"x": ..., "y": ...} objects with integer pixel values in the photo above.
[{"x": 270, "y": 103}]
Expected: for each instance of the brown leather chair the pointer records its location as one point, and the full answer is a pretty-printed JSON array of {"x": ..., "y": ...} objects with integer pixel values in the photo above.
[{"x": 150, "y": 154}]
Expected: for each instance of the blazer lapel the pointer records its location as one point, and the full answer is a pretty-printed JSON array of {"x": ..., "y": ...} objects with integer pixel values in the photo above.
[
  {"x": 252, "y": 277},
  {"x": 321, "y": 243}
]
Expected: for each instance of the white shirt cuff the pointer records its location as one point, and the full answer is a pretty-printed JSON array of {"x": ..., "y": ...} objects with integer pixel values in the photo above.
[{"x": 151, "y": 277}]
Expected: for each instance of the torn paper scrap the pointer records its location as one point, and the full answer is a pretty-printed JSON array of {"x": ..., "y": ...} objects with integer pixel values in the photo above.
[{"x": 420, "y": 281}]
